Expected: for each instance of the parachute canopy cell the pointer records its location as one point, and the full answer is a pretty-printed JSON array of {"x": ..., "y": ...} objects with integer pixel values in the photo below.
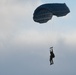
[{"x": 44, "y": 12}]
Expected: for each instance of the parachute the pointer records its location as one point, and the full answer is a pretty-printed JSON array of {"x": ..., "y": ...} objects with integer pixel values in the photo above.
[{"x": 45, "y": 12}]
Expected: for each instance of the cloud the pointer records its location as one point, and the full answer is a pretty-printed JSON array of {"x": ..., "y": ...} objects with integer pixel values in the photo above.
[{"x": 13, "y": 15}]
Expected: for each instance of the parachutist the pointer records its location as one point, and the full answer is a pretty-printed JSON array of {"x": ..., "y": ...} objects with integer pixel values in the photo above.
[{"x": 51, "y": 56}]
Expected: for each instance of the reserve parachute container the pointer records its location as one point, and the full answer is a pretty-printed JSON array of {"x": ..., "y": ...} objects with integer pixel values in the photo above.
[{"x": 45, "y": 12}]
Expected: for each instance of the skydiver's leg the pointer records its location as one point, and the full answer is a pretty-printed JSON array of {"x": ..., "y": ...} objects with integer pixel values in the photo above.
[{"x": 51, "y": 61}]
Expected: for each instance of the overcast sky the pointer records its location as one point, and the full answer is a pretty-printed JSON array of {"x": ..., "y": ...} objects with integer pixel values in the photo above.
[{"x": 24, "y": 44}]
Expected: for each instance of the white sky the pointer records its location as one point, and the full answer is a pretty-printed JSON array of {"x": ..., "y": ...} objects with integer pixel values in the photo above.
[{"x": 24, "y": 44}]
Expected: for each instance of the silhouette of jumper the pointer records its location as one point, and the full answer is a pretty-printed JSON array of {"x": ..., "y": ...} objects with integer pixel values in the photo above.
[{"x": 51, "y": 56}]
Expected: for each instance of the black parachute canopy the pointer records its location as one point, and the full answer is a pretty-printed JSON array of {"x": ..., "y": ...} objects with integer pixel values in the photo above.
[{"x": 44, "y": 12}]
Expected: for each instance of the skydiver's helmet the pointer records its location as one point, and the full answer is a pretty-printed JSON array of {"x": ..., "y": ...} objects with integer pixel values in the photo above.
[{"x": 51, "y": 49}]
